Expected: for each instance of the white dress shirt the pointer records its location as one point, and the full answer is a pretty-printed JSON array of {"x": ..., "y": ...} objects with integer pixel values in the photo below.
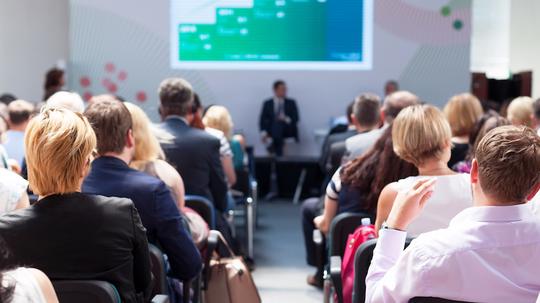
[{"x": 487, "y": 254}]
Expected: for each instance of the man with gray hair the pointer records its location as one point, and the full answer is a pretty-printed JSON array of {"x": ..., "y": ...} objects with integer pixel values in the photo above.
[
  {"x": 67, "y": 100},
  {"x": 193, "y": 152}
]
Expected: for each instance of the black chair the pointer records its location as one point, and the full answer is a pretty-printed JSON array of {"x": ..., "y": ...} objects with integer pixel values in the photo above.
[
  {"x": 86, "y": 291},
  {"x": 158, "y": 268},
  {"x": 92, "y": 291},
  {"x": 203, "y": 207},
  {"x": 342, "y": 225},
  {"x": 362, "y": 261},
  {"x": 433, "y": 300}
]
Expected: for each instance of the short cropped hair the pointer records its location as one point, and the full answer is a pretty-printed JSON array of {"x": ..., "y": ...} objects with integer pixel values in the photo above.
[
  {"x": 20, "y": 111},
  {"x": 395, "y": 102},
  {"x": 277, "y": 84},
  {"x": 67, "y": 100},
  {"x": 58, "y": 145},
  {"x": 367, "y": 110},
  {"x": 111, "y": 121},
  {"x": 509, "y": 163},
  {"x": 218, "y": 117},
  {"x": 520, "y": 111},
  {"x": 420, "y": 133},
  {"x": 176, "y": 96},
  {"x": 462, "y": 111}
]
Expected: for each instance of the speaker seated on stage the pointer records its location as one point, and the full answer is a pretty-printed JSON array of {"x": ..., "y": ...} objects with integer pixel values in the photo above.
[{"x": 278, "y": 120}]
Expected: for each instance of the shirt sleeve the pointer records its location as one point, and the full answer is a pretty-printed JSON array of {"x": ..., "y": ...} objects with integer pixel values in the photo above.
[
  {"x": 334, "y": 186},
  {"x": 394, "y": 275}
]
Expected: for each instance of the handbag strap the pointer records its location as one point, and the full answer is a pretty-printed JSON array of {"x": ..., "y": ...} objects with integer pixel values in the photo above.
[{"x": 224, "y": 242}]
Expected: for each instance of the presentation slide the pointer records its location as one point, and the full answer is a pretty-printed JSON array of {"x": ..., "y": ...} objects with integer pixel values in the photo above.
[{"x": 271, "y": 34}]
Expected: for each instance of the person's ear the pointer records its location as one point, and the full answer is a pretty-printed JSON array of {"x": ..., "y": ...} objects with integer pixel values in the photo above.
[
  {"x": 474, "y": 172},
  {"x": 533, "y": 192},
  {"x": 130, "y": 140}
]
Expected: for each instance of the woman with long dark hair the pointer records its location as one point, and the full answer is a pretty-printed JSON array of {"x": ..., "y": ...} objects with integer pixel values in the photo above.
[{"x": 355, "y": 187}]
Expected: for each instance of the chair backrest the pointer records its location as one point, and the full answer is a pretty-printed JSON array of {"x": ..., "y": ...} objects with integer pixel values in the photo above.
[
  {"x": 86, "y": 291},
  {"x": 362, "y": 261},
  {"x": 433, "y": 300},
  {"x": 158, "y": 270},
  {"x": 203, "y": 207},
  {"x": 242, "y": 181},
  {"x": 343, "y": 225}
]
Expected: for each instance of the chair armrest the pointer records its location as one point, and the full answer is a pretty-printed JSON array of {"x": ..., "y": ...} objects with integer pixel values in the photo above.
[
  {"x": 335, "y": 276},
  {"x": 211, "y": 246},
  {"x": 160, "y": 299}
]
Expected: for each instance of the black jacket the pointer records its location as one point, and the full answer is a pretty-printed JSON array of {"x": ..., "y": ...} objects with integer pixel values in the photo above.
[
  {"x": 268, "y": 118},
  {"x": 195, "y": 154},
  {"x": 83, "y": 237}
]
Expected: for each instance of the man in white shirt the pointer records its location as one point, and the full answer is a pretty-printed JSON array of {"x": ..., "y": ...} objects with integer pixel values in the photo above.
[
  {"x": 20, "y": 112},
  {"x": 489, "y": 253}
]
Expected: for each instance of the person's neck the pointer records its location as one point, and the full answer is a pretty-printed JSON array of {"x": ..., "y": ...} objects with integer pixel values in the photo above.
[
  {"x": 18, "y": 127},
  {"x": 481, "y": 199},
  {"x": 460, "y": 139},
  {"x": 123, "y": 156},
  {"x": 364, "y": 129},
  {"x": 434, "y": 167}
]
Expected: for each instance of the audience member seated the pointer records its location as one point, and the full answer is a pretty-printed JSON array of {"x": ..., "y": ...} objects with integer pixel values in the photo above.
[
  {"x": 390, "y": 87},
  {"x": 218, "y": 117},
  {"x": 487, "y": 122},
  {"x": 4, "y": 159},
  {"x": 67, "y": 100},
  {"x": 20, "y": 112},
  {"x": 67, "y": 234},
  {"x": 422, "y": 136},
  {"x": 393, "y": 104},
  {"x": 23, "y": 285},
  {"x": 54, "y": 81},
  {"x": 521, "y": 112},
  {"x": 148, "y": 157},
  {"x": 489, "y": 253},
  {"x": 225, "y": 150},
  {"x": 334, "y": 137},
  {"x": 193, "y": 152},
  {"x": 462, "y": 111},
  {"x": 111, "y": 176},
  {"x": 12, "y": 191},
  {"x": 354, "y": 188}
]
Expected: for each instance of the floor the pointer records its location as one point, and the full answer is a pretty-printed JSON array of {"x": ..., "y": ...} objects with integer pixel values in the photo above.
[{"x": 281, "y": 269}]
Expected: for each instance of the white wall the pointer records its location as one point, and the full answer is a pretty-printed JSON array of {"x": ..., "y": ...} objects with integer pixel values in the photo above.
[
  {"x": 525, "y": 39},
  {"x": 34, "y": 35}
]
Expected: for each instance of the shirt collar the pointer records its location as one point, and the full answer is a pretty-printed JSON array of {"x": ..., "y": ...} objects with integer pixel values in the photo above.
[
  {"x": 176, "y": 117},
  {"x": 493, "y": 214}
]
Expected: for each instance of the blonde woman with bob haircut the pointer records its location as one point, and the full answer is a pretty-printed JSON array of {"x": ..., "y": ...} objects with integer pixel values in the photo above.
[
  {"x": 462, "y": 112},
  {"x": 68, "y": 234},
  {"x": 422, "y": 136}
]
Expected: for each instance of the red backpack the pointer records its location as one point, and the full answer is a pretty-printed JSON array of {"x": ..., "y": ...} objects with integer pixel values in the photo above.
[{"x": 360, "y": 235}]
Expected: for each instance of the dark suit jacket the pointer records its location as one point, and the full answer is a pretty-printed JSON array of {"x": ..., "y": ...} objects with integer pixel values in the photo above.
[
  {"x": 195, "y": 154},
  {"x": 325, "y": 160},
  {"x": 268, "y": 118},
  {"x": 79, "y": 236},
  {"x": 159, "y": 213}
]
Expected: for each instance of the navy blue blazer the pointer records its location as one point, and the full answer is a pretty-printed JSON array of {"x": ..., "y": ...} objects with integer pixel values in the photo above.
[{"x": 112, "y": 177}]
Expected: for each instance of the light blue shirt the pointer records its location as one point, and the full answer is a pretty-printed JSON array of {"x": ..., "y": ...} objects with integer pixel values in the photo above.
[{"x": 14, "y": 145}]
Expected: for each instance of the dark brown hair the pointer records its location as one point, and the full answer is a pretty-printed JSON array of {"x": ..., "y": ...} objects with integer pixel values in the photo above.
[
  {"x": 509, "y": 163},
  {"x": 111, "y": 122},
  {"x": 376, "y": 168}
]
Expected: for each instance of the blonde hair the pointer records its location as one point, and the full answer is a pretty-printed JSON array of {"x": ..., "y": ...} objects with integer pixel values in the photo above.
[
  {"x": 420, "y": 132},
  {"x": 218, "y": 117},
  {"x": 58, "y": 145},
  {"x": 462, "y": 112},
  {"x": 147, "y": 148},
  {"x": 520, "y": 111}
]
